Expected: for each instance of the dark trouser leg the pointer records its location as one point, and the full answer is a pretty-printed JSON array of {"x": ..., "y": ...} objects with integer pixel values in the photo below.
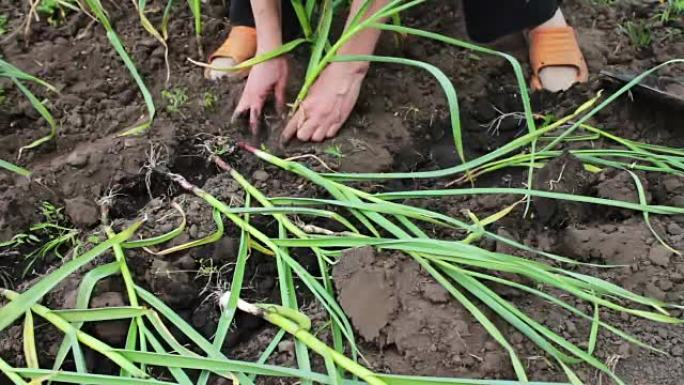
[
  {"x": 487, "y": 20},
  {"x": 240, "y": 13}
]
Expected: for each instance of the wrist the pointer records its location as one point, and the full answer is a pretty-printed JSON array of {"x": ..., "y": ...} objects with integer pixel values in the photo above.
[
  {"x": 353, "y": 68},
  {"x": 267, "y": 19},
  {"x": 268, "y": 41},
  {"x": 266, "y": 47}
]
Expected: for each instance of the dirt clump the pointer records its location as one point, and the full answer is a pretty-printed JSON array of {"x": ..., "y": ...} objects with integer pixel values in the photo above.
[
  {"x": 82, "y": 212},
  {"x": 111, "y": 332},
  {"x": 416, "y": 324},
  {"x": 564, "y": 174},
  {"x": 622, "y": 244}
]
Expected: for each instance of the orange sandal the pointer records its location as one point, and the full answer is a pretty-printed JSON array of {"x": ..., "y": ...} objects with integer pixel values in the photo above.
[
  {"x": 555, "y": 46},
  {"x": 238, "y": 47}
]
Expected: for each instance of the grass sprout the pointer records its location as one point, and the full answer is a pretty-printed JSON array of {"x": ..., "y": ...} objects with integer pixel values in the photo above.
[
  {"x": 49, "y": 237},
  {"x": 3, "y": 24},
  {"x": 209, "y": 100},
  {"x": 18, "y": 77},
  {"x": 672, "y": 9},
  {"x": 334, "y": 151},
  {"x": 175, "y": 99},
  {"x": 55, "y": 10},
  {"x": 638, "y": 32}
]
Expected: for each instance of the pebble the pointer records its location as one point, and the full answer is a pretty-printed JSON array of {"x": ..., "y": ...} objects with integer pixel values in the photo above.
[
  {"x": 659, "y": 255},
  {"x": 232, "y": 187},
  {"x": 665, "y": 284},
  {"x": 655, "y": 292},
  {"x": 165, "y": 227},
  {"x": 260, "y": 176},
  {"x": 185, "y": 263},
  {"x": 625, "y": 350},
  {"x": 570, "y": 327},
  {"x": 286, "y": 347},
  {"x": 491, "y": 346},
  {"x": 678, "y": 351},
  {"x": 517, "y": 338},
  {"x": 662, "y": 332},
  {"x": 81, "y": 212},
  {"x": 672, "y": 184},
  {"x": 677, "y": 277},
  {"x": 435, "y": 293},
  {"x": 674, "y": 229},
  {"x": 78, "y": 159},
  {"x": 5, "y": 179},
  {"x": 194, "y": 231}
]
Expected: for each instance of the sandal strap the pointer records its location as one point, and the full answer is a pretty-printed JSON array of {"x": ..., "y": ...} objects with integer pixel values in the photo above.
[
  {"x": 557, "y": 46},
  {"x": 239, "y": 46}
]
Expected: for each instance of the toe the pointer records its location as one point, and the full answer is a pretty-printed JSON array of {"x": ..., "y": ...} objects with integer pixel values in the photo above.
[
  {"x": 558, "y": 78},
  {"x": 219, "y": 64}
]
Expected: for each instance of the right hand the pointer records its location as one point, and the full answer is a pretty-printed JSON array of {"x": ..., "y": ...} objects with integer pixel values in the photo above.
[
  {"x": 328, "y": 104},
  {"x": 264, "y": 78}
]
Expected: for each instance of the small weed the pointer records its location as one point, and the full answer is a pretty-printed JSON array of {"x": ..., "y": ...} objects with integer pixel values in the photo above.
[
  {"x": 673, "y": 9},
  {"x": 3, "y": 24},
  {"x": 55, "y": 10},
  {"x": 51, "y": 232},
  {"x": 51, "y": 213},
  {"x": 209, "y": 100},
  {"x": 175, "y": 98},
  {"x": 334, "y": 151},
  {"x": 639, "y": 33}
]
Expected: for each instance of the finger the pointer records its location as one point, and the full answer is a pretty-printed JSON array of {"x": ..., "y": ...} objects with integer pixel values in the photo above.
[
  {"x": 279, "y": 93},
  {"x": 255, "y": 117},
  {"x": 306, "y": 130},
  {"x": 333, "y": 130},
  {"x": 241, "y": 108},
  {"x": 320, "y": 133},
  {"x": 291, "y": 127}
]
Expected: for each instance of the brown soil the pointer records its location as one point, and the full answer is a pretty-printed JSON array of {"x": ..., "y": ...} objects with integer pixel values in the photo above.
[
  {"x": 408, "y": 324},
  {"x": 388, "y": 297}
]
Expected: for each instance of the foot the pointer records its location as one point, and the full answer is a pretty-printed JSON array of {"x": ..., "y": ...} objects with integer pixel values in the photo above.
[
  {"x": 557, "y": 78},
  {"x": 238, "y": 47},
  {"x": 220, "y": 63},
  {"x": 328, "y": 104}
]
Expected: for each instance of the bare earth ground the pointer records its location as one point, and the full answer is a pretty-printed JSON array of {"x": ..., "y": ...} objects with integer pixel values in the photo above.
[{"x": 407, "y": 322}]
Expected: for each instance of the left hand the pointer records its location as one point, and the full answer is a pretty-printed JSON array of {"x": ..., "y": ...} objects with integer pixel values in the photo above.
[{"x": 264, "y": 78}]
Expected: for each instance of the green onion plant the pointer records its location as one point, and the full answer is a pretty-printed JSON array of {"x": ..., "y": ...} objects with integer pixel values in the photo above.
[
  {"x": 95, "y": 6},
  {"x": 18, "y": 77}
]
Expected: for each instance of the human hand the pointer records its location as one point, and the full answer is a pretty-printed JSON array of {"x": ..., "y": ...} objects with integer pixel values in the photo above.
[
  {"x": 264, "y": 78},
  {"x": 328, "y": 103}
]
